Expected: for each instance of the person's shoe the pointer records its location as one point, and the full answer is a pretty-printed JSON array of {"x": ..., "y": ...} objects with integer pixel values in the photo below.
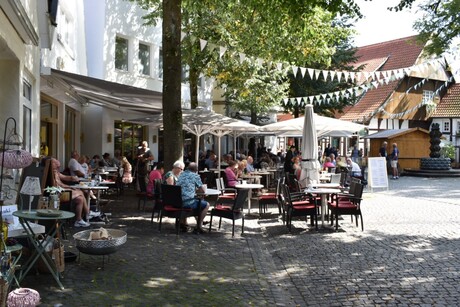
[
  {"x": 183, "y": 228},
  {"x": 198, "y": 231},
  {"x": 397, "y": 177},
  {"x": 94, "y": 213},
  {"x": 81, "y": 223}
]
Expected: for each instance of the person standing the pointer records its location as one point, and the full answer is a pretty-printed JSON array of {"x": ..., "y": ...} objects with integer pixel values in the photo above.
[
  {"x": 144, "y": 157},
  {"x": 394, "y": 161},
  {"x": 288, "y": 161}
]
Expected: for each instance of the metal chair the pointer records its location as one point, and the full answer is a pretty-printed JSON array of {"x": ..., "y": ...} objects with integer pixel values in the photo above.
[
  {"x": 233, "y": 212},
  {"x": 173, "y": 206},
  {"x": 347, "y": 204}
]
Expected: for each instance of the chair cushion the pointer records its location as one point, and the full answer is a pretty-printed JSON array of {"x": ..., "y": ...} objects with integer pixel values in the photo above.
[
  {"x": 264, "y": 196},
  {"x": 306, "y": 206},
  {"x": 302, "y": 203},
  {"x": 175, "y": 209},
  {"x": 222, "y": 207},
  {"x": 344, "y": 205}
]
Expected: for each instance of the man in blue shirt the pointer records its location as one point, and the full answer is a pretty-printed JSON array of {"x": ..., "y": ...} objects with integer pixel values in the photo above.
[{"x": 190, "y": 181}]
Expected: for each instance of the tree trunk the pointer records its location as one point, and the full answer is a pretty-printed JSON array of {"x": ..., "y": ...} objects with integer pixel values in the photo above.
[{"x": 172, "y": 108}]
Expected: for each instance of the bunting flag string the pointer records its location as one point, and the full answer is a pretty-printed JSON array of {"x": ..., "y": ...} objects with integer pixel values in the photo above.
[{"x": 315, "y": 74}]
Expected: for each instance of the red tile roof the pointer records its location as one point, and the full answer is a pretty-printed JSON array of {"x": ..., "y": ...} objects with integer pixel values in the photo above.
[
  {"x": 449, "y": 106},
  {"x": 398, "y": 53}
]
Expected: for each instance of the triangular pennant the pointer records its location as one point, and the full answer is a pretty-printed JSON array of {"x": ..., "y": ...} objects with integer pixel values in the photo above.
[
  {"x": 222, "y": 51},
  {"x": 202, "y": 44},
  {"x": 299, "y": 100},
  {"x": 339, "y": 76},
  {"x": 295, "y": 69},
  {"x": 182, "y": 35},
  {"x": 346, "y": 75},
  {"x": 302, "y": 71},
  {"x": 311, "y": 73},
  {"x": 333, "y": 73},
  {"x": 324, "y": 73},
  {"x": 242, "y": 57}
]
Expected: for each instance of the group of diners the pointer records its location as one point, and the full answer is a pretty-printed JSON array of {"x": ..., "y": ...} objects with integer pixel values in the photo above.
[{"x": 190, "y": 182}]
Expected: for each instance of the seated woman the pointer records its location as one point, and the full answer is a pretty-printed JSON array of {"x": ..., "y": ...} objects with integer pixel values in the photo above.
[
  {"x": 231, "y": 172},
  {"x": 78, "y": 197},
  {"x": 328, "y": 164},
  {"x": 296, "y": 167},
  {"x": 157, "y": 173},
  {"x": 127, "y": 171}
]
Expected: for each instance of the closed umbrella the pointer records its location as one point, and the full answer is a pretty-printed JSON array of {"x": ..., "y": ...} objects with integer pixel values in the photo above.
[{"x": 310, "y": 164}]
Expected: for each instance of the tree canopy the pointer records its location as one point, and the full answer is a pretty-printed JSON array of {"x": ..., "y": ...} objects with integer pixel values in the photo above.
[{"x": 439, "y": 24}]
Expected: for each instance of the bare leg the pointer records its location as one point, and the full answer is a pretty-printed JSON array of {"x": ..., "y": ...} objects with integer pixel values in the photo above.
[{"x": 203, "y": 213}]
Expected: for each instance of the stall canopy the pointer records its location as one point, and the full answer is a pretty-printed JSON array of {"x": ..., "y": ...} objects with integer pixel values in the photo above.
[{"x": 325, "y": 126}]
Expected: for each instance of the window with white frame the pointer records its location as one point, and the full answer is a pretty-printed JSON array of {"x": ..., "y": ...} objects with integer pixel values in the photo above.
[
  {"x": 144, "y": 59},
  {"x": 427, "y": 96},
  {"x": 160, "y": 63},
  {"x": 121, "y": 53},
  {"x": 27, "y": 115},
  {"x": 445, "y": 126},
  {"x": 66, "y": 30}
]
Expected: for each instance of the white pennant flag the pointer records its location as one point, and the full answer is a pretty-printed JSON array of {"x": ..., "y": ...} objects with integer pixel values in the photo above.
[
  {"x": 294, "y": 70},
  {"x": 332, "y": 75},
  {"x": 311, "y": 73},
  {"x": 346, "y": 74},
  {"x": 299, "y": 100},
  {"x": 324, "y": 72},
  {"x": 286, "y": 100},
  {"x": 339, "y": 76},
  {"x": 316, "y": 74},
  {"x": 242, "y": 57},
  {"x": 302, "y": 71},
  {"x": 202, "y": 44},
  {"x": 222, "y": 51}
]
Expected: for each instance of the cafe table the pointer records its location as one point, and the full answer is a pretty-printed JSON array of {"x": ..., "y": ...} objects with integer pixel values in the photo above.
[
  {"x": 87, "y": 188},
  {"x": 324, "y": 193},
  {"x": 250, "y": 177},
  {"x": 265, "y": 173},
  {"x": 250, "y": 187},
  {"x": 26, "y": 219}
]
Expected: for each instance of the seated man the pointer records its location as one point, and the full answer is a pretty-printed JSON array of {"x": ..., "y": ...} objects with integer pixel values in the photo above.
[
  {"x": 78, "y": 198},
  {"x": 75, "y": 167},
  {"x": 190, "y": 181},
  {"x": 355, "y": 169}
]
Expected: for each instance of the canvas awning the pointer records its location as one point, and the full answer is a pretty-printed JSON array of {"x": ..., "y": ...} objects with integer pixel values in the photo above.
[{"x": 68, "y": 87}]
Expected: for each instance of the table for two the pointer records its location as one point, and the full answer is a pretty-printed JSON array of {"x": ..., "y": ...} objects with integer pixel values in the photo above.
[
  {"x": 26, "y": 218},
  {"x": 325, "y": 190}
]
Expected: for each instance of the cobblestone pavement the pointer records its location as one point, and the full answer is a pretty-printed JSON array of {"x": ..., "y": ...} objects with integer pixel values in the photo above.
[{"x": 408, "y": 254}]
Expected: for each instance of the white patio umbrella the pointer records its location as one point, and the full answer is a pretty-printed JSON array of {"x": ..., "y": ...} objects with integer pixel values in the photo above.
[
  {"x": 310, "y": 164},
  {"x": 197, "y": 121},
  {"x": 325, "y": 126},
  {"x": 236, "y": 128}
]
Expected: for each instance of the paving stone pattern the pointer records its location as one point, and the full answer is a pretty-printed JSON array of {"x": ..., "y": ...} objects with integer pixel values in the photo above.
[{"x": 408, "y": 255}]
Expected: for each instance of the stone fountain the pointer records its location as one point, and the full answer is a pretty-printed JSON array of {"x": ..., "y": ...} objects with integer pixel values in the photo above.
[
  {"x": 435, "y": 165},
  {"x": 435, "y": 161}
]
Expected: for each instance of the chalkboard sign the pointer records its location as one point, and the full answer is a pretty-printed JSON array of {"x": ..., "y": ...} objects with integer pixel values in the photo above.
[
  {"x": 377, "y": 172},
  {"x": 34, "y": 170}
]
